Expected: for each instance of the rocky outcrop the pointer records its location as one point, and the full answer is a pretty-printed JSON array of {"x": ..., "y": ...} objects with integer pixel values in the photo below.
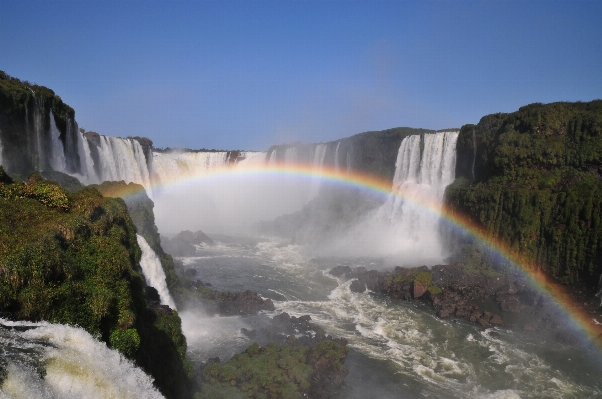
[
  {"x": 295, "y": 355},
  {"x": 185, "y": 242},
  {"x": 486, "y": 298}
]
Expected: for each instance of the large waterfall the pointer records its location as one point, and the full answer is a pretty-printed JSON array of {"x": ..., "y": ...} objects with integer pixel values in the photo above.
[
  {"x": 406, "y": 227},
  {"x": 54, "y": 361},
  {"x": 425, "y": 167},
  {"x": 153, "y": 272}
]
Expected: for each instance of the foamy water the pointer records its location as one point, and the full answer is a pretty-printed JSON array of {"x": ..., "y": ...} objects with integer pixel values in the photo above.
[
  {"x": 45, "y": 361},
  {"x": 416, "y": 353}
]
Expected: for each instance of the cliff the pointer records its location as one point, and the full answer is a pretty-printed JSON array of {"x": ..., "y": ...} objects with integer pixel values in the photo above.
[
  {"x": 73, "y": 258},
  {"x": 533, "y": 179},
  {"x": 29, "y": 117},
  {"x": 373, "y": 152}
]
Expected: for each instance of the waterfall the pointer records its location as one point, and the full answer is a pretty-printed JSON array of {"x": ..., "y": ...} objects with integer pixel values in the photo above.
[
  {"x": 173, "y": 166},
  {"x": 337, "y": 165},
  {"x": 153, "y": 272},
  {"x": 53, "y": 361},
  {"x": 317, "y": 162},
  {"x": 252, "y": 159},
  {"x": 57, "y": 153},
  {"x": 122, "y": 159},
  {"x": 599, "y": 294},
  {"x": 425, "y": 166},
  {"x": 273, "y": 159},
  {"x": 291, "y": 156},
  {"x": 87, "y": 173}
]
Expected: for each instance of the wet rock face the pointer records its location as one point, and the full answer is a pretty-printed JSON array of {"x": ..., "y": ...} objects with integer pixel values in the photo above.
[{"x": 244, "y": 303}]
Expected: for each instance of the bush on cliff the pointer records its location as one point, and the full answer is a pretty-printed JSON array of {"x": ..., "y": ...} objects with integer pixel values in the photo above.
[{"x": 73, "y": 258}]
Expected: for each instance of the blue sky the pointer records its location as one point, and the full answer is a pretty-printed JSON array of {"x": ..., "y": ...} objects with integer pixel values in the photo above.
[{"x": 248, "y": 74}]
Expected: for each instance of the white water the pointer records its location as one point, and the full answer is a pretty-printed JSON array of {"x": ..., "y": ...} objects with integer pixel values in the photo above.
[
  {"x": 174, "y": 166},
  {"x": 405, "y": 228},
  {"x": 400, "y": 343},
  {"x": 87, "y": 173},
  {"x": 253, "y": 159},
  {"x": 57, "y": 153},
  {"x": 153, "y": 272},
  {"x": 123, "y": 159},
  {"x": 76, "y": 365},
  {"x": 319, "y": 153}
]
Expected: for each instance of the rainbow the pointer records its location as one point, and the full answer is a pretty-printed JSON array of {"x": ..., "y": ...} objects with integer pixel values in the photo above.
[{"x": 579, "y": 319}]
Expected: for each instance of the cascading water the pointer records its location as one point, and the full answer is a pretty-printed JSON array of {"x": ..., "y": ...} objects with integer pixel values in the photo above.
[
  {"x": 87, "y": 172},
  {"x": 57, "y": 154},
  {"x": 405, "y": 229},
  {"x": 153, "y": 272},
  {"x": 53, "y": 361},
  {"x": 319, "y": 153},
  {"x": 425, "y": 167},
  {"x": 122, "y": 159},
  {"x": 599, "y": 293},
  {"x": 337, "y": 165},
  {"x": 173, "y": 166},
  {"x": 252, "y": 159}
]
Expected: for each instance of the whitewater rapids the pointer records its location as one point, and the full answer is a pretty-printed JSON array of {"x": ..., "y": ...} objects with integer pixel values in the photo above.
[{"x": 54, "y": 361}]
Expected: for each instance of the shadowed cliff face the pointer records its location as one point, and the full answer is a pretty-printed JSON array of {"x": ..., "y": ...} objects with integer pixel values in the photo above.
[
  {"x": 29, "y": 117},
  {"x": 537, "y": 185}
]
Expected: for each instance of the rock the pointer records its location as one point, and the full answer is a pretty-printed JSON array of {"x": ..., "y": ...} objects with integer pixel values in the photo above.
[
  {"x": 419, "y": 290},
  {"x": 496, "y": 320},
  {"x": 243, "y": 303},
  {"x": 340, "y": 271},
  {"x": 357, "y": 286},
  {"x": 190, "y": 272}
]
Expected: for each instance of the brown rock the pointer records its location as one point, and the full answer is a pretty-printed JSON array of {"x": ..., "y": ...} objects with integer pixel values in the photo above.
[
  {"x": 419, "y": 290},
  {"x": 496, "y": 320}
]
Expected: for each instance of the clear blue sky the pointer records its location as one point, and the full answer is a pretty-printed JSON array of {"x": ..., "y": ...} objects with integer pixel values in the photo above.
[{"x": 244, "y": 75}]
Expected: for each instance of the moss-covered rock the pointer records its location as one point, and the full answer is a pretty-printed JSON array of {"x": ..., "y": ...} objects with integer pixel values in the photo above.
[{"x": 274, "y": 371}]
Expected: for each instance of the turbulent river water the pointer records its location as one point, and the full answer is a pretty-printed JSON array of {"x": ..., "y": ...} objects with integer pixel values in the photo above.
[{"x": 399, "y": 349}]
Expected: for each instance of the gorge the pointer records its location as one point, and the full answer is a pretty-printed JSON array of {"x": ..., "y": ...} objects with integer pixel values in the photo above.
[{"x": 501, "y": 201}]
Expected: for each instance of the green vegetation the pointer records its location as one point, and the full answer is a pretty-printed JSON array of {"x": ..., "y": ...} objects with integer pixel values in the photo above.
[
  {"x": 477, "y": 260},
  {"x": 140, "y": 208},
  {"x": 537, "y": 186},
  {"x": 73, "y": 258},
  {"x": 271, "y": 371},
  {"x": 417, "y": 277},
  {"x": 434, "y": 290}
]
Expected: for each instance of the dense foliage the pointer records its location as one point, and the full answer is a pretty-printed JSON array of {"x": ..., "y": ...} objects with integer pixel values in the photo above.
[
  {"x": 73, "y": 258},
  {"x": 273, "y": 371},
  {"x": 140, "y": 208},
  {"x": 536, "y": 184}
]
